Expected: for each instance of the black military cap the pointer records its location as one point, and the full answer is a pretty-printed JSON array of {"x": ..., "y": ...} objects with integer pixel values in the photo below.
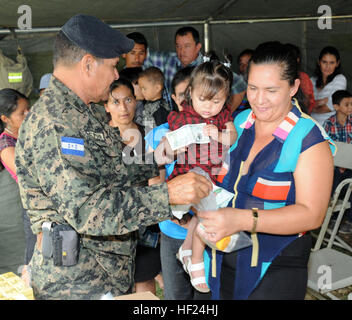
[{"x": 96, "y": 37}]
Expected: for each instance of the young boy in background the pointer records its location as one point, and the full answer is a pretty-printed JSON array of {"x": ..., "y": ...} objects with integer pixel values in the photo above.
[
  {"x": 339, "y": 128},
  {"x": 155, "y": 109}
]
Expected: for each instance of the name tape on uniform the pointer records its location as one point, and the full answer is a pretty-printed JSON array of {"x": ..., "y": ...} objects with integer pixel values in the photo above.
[{"x": 73, "y": 146}]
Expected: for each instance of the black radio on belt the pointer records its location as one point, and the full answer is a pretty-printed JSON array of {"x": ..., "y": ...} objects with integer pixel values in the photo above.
[{"x": 60, "y": 242}]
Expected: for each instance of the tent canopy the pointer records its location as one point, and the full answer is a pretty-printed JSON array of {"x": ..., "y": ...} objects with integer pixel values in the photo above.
[
  {"x": 230, "y": 25},
  {"x": 54, "y": 13}
]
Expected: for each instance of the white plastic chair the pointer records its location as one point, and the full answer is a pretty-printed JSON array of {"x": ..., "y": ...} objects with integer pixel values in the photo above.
[{"x": 329, "y": 269}]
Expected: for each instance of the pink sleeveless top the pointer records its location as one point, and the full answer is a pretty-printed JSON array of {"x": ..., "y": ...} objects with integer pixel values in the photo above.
[{"x": 7, "y": 141}]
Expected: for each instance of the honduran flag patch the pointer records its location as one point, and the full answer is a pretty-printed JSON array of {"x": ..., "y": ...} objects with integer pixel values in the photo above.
[{"x": 73, "y": 146}]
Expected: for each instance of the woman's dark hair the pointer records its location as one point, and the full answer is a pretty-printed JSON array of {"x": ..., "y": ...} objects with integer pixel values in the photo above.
[
  {"x": 180, "y": 76},
  {"x": 302, "y": 100},
  {"x": 8, "y": 103},
  {"x": 214, "y": 77},
  {"x": 274, "y": 52},
  {"x": 121, "y": 82},
  {"x": 338, "y": 70},
  {"x": 297, "y": 53}
]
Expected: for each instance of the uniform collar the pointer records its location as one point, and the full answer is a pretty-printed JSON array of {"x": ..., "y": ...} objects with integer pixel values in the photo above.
[
  {"x": 76, "y": 102},
  {"x": 56, "y": 85},
  {"x": 284, "y": 128}
]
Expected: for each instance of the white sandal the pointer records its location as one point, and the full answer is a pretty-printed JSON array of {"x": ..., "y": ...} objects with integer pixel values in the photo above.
[
  {"x": 198, "y": 280},
  {"x": 182, "y": 254}
]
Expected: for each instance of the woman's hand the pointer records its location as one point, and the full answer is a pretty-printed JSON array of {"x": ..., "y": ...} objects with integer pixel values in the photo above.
[
  {"x": 221, "y": 223},
  {"x": 321, "y": 106},
  {"x": 323, "y": 101}
]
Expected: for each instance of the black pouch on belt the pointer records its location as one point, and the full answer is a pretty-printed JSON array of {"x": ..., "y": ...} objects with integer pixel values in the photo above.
[{"x": 65, "y": 245}]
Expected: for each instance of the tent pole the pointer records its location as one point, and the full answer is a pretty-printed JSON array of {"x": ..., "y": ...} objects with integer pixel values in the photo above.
[
  {"x": 206, "y": 37},
  {"x": 276, "y": 19}
]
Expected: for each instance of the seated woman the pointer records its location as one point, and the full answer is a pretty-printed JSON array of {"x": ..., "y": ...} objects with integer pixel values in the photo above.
[
  {"x": 281, "y": 171},
  {"x": 328, "y": 79},
  {"x": 121, "y": 107}
]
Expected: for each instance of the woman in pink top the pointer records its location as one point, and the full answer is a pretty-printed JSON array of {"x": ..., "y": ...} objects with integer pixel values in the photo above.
[
  {"x": 14, "y": 107},
  {"x": 13, "y": 110}
]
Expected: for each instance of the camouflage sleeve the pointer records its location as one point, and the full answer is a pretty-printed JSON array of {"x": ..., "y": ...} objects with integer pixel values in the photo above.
[{"x": 91, "y": 192}]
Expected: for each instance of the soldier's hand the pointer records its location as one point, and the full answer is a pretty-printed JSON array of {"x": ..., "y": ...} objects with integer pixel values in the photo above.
[{"x": 188, "y": 188}]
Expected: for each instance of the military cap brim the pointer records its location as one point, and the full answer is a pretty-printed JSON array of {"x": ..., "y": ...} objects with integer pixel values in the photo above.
[{"x": 96, "y": 37}]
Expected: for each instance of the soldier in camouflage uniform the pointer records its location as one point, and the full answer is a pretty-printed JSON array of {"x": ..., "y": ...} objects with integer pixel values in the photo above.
[{"x": 70, "y": 170}]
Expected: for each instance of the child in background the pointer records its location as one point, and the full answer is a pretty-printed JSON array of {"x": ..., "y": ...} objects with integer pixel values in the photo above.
[
  {"x": 206, "y": 102},
  {"x": 155, "y": 109},
  {"x": 339, "y": 128},
  {"x": 174, "y": 231}
]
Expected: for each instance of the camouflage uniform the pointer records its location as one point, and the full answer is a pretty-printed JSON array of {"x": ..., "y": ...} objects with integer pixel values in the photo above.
[{"x": 95, "y": 192}]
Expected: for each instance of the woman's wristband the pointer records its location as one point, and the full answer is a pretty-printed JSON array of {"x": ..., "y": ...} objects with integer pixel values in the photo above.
[{"x": 255, "y": 219}]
